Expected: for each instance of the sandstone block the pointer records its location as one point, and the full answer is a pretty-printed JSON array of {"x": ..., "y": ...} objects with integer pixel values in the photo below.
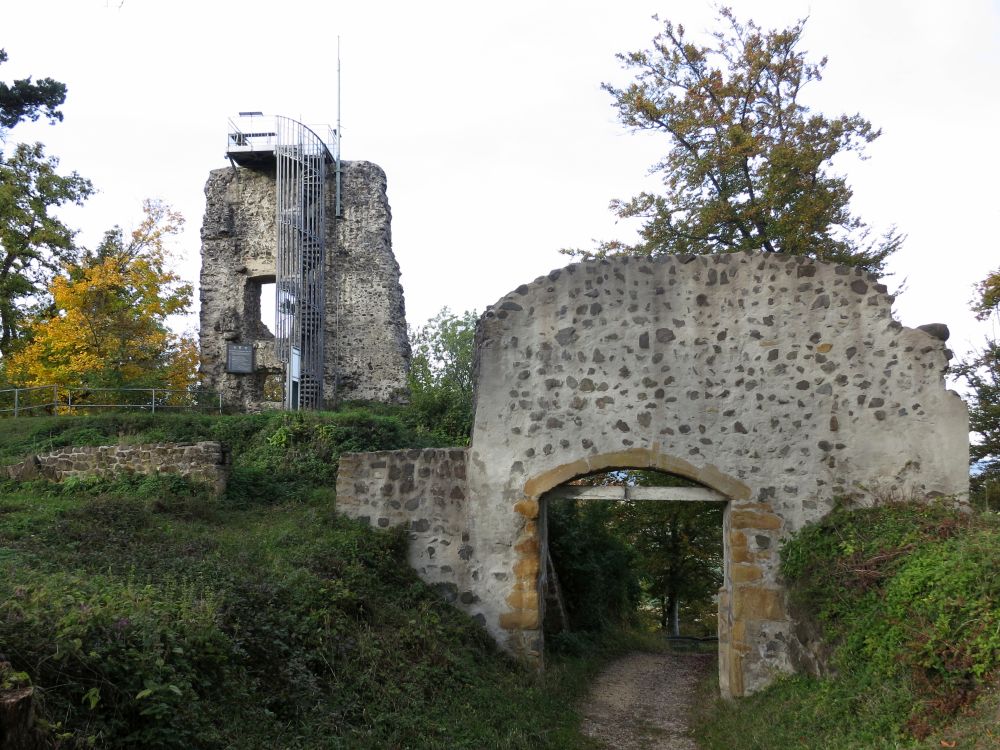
[{"x": 757, "y": 603}]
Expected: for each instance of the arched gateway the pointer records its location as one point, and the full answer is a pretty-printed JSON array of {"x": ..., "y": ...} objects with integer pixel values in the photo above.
[{"x": 780, "y": 383}]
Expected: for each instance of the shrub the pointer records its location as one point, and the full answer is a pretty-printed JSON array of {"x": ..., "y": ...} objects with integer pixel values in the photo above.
[
  {"x": 909, "y": 594},
  {"x": 126, "y": 662},
  {"x": 908, "y": 598},
  {"x": 595, "y": 567}
]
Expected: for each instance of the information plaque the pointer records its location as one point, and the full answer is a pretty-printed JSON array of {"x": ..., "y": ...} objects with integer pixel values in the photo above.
[{"x": 239, "y": 358}]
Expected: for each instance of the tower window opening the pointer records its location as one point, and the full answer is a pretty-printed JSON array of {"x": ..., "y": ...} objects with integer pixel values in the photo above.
[
  {"x": 258, "y": 305},
  {"x": 267, "y": 291}
]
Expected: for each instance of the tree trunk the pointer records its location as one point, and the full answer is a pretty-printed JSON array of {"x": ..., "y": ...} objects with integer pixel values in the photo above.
[
  {"x": 17, "y": 720},
  {"x": 677, "y": 617},
  {"x": 671, "y": 620}
]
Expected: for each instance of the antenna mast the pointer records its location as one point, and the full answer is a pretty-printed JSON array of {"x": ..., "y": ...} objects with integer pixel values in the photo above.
[{"x": 339, "y": 213}]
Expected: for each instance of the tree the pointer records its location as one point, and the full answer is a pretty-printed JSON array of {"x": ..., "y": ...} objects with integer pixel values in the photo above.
[
  {"x": 440, "y": 376},
  {"x": 33, "y": 242},
  {"x": 677, "y": 545},
  {"x": 678, "y": 549},
  {"x": 107, "y": 323},
  {"x": 749, "y": 166},
  {"x": 26, "y": 100},
  {"x": 596, "y": 568},
  {"x": 674, "y": 550},
  {"x": 981, "y": 372}
]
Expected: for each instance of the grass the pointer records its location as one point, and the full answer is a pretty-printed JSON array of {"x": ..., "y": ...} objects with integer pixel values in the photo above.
[
  {"x": 148, "y": 613},
  {"x": 909, "y": 597}
]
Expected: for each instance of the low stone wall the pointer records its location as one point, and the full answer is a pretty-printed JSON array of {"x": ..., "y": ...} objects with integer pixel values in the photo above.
[
  {"x": 206, "y": 461},
  {"x": 426, "y": 490}
]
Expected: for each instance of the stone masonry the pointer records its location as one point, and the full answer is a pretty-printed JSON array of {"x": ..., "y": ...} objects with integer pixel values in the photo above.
[
  {"x": 207, "y": 462},
  {"x": 427, "y": 490},
  {"x": 367, "y": 350},
  {"x": 782, "y": 383}
]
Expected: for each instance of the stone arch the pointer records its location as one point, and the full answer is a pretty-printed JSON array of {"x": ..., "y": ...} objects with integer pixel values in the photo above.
[
  {"x": 635, "y": 458},
  {"x": 783, "y": 382},
  {"x": 531, "y": 559}
]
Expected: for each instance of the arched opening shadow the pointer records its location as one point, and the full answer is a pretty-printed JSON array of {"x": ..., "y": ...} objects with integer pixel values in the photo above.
[
  {"x": 634, "y": 547},
  {"x": 528, "y": 602}
]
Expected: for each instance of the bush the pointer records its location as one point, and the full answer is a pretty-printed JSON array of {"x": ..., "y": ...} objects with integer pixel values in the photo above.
[
  {"x": 281, "y": 456},
  {"x": 126, "y": 663},
  {"x": 595, "y": 568},
  {"x": 909, "y": 593},
  {"x": 149, "y": 614},
  {"x": 908, "y": 597}
]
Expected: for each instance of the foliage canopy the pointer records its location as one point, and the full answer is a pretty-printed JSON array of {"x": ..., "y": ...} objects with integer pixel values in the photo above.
[
  {"x": 678, "y": 547},
  {"x": 441, "y": 375},
  {"x": 748, "y": 165},
  {"x": 24, "y": 99},
  {"x": 108, "y": 326},
  {"x": 981, "y": 372},
  {"x": 33, "y": 241}
]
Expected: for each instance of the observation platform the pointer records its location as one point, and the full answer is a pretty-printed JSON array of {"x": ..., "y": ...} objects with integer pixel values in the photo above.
[{"x": 254, "y": 137}]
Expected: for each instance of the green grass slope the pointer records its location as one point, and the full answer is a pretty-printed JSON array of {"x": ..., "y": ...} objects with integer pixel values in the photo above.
[
  {"x": 909, "y": 598},
  {"x": 148, "y": 614}
]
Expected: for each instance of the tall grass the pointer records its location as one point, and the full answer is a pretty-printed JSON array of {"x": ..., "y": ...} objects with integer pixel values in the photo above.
[{"x": 148, "y": 613}]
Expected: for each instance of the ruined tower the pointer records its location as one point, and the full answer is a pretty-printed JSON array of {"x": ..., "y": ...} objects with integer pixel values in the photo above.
[{"x": 289, "y": 222}]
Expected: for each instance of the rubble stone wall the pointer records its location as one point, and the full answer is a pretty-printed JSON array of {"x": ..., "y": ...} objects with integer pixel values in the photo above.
[
  {"x": 781, "y": 382},
  {"x": 366, "y": 349},
  {"x": 206, "y": 461},
  {"x": 426, "y": 490}
]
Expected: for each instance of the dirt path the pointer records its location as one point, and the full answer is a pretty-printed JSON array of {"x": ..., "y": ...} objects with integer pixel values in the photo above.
[{"x": 642, "y": 701}]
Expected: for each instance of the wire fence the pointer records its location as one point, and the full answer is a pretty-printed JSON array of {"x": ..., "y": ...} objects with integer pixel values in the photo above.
[{"x": 55, "y": 399}]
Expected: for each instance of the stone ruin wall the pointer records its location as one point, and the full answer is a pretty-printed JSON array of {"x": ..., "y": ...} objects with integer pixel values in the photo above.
[
  {"x": 206, "y": 461},
  {"x": 781, "y": 382},
  {"x": 426, "y": 490},
  {"x": 367, "y": 349}
]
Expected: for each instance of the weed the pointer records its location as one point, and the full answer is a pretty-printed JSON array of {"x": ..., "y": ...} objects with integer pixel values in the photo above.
[
  {"x": 148, "y": 614},
  {"x": 907, "y": 594}
]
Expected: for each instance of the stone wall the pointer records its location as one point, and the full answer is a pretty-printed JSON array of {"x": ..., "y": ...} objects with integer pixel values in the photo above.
[
  {"x": 782, "y": 383},
  {"x": 367, "y": 350},
  {"x": 425, "y": 490},
  {"x": 366, "y": 317},
  {"x": 206, "y": 461}
]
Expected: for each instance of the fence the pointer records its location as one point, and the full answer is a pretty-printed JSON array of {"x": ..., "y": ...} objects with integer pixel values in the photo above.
[{"x": 55, "y": 399}]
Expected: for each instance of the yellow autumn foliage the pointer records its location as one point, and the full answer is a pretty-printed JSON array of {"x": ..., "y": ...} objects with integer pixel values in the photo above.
[{"x": 109, "y": 325}]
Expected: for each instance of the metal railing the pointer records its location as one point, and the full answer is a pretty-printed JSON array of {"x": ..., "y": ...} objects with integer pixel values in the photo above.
[
  {"x": 255, "y": 131},
  {"x": 55, "y": 399},
  {"x": 301, "y": 260},
  {"x": 257, "y": 134}
]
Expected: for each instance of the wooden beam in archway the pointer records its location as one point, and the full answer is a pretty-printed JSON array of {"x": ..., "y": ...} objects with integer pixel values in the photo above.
[{"x": 687, "y": 494}]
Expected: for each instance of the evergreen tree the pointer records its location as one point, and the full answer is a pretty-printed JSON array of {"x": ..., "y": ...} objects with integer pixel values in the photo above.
[
  {"x": 981, "y": 372},
  {"x": 24, "y": 99},
  {"x": 34, "y": 243}
]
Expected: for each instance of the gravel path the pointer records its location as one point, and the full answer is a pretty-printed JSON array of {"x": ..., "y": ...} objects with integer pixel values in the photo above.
[{"x": 642, "y": 701}]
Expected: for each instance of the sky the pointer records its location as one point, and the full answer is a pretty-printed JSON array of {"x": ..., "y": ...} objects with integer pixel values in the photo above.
[{"x": 488, "y": 118}]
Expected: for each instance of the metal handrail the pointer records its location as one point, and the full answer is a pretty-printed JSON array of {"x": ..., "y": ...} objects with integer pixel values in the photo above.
[
  {"x": 61, "y": 400},
  {"x": 264, "y": 137}
]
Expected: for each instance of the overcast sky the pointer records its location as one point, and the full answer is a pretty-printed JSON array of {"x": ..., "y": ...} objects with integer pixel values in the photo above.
[{"x": 499, "y": 145}]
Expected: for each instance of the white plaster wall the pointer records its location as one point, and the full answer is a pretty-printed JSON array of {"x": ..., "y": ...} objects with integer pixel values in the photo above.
[{"x": 785, "y": 374}]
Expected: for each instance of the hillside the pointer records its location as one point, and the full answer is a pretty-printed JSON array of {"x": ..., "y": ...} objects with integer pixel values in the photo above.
[
  {"x": 906, "y": 600},
  {"x": 147, "y": 613}
]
